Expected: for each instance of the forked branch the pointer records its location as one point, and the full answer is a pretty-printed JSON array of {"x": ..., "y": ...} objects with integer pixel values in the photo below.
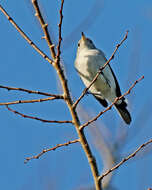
[{"x": 69, "y": 102}]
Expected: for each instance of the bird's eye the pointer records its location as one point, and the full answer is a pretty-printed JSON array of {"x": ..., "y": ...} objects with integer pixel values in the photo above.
[{"x": 78, "y": 44}]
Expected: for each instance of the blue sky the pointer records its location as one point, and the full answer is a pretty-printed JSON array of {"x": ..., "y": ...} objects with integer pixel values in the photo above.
[{"x": 105, "y": 22}]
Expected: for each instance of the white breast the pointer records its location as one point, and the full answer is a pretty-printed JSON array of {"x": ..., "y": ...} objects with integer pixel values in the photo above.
[{"x": 87, "y": 64}]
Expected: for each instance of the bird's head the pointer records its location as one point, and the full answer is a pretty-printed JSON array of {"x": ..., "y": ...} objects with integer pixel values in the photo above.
[{"x": 85, "y": 43}]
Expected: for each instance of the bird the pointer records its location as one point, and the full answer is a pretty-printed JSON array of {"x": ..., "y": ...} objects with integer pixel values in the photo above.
[{"x": 106, "y": 88}]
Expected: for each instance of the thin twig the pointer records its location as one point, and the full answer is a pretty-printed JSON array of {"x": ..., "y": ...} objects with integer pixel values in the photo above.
[
  {"x": 37, "y": 118},
  {"x": 109, "y": 107},
  {"x": 125, "y": 159},
  {"x": 50, "y": 149},
  {"x": 100, "y": 71},
  {"x": 60, "y": 33},
  {"x": 25, "y": 36},
  {"x": 28, "y": 101},
  {"x": 44, "y": 27},
  {"x": 31, "y": 91}
]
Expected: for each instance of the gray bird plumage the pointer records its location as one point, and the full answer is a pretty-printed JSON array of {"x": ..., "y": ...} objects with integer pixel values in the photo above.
[{"x": 106, "y": 88}]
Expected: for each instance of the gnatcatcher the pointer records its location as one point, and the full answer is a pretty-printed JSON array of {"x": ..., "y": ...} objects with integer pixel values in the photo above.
[{"x": 106, "y": 88}]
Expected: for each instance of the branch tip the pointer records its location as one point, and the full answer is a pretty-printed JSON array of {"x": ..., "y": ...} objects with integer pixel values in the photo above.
[{"x": 50, "y": 149}]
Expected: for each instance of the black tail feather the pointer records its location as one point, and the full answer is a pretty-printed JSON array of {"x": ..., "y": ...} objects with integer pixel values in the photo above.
[{"x": 124, "y": 113}]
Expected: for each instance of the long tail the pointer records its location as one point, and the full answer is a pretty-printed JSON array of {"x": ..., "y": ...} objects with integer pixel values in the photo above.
[{"x": 121, "y": 108}]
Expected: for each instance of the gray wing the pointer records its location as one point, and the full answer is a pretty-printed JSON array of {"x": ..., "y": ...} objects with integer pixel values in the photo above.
[{"x": 117, "y": 87}]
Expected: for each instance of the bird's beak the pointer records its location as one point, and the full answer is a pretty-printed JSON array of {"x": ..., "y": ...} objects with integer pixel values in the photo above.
[{"x": 83, "y": 37}]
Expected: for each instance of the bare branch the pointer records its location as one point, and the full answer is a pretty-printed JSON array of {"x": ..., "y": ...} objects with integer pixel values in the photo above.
[
  {"x": 68, "y": 100},
  {"x": 50, "y": 149},
  {"x": 109, "y": 107},
  {"x": 100, "y": 70},
  {"x": 31, "y": 91},
  {"x": 28, "y": 101},
  {"x": 44, "y": 27},
  {"x": 37, "y": 118},
  {"x": 25, "y": 36},
  {"x": 125, "y": 159}
]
